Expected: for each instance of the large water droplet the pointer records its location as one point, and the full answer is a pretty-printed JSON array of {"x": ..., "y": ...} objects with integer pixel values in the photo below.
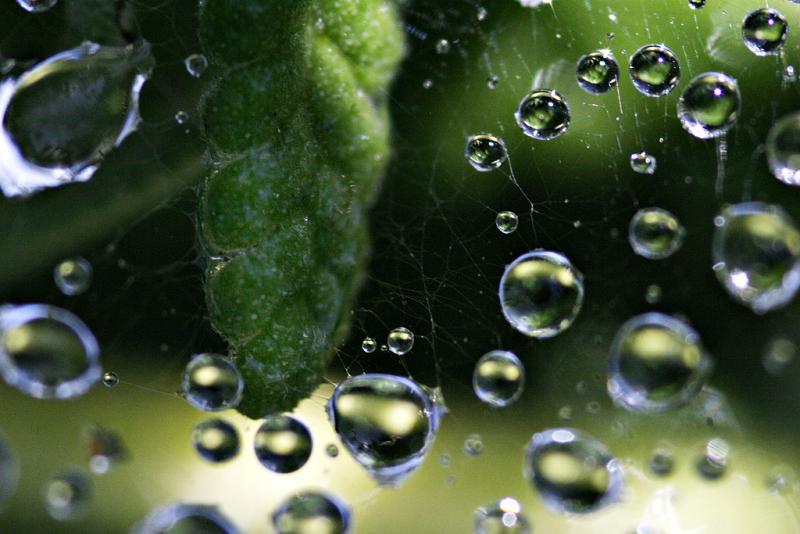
[
  {"x": 485, "y": 152},
  {"x": 656, "y": 364},
  {"x": 73, "y": 276},
  {"x": 283, "y": 444},
  {"x": 756, "y": 248},
  {"x": 572, "y": 471},
  {"x": 311, "y": 512},
  {"x": 182, "y": 518},
  {"x": 47, "y": 352},
  {"x": 498, "y": 378},
  {"x": 655, "y": 233},
  {"x": 61, "y": 117},
  {"x": 655, "y": 70},
  {"x": 597, "y": 72},
  {"x": 765, "y": 31},
  {"x": 215, "y": 440},
  {"x": 36, "y": 6},
  {"x": 506, "y": 222},
  {"x": 400, "y": 340},
  {"x": 386, "y": 422},
  {"x": 709, "y": 105},
  {"x": 502, "y": 517},
  {"x": 541, "y": 293},
  {"x": 212, "y": 382},
  {"x": 783, "y": 149},
  {"x": 67, "y": 495},
  {"x": 543, "y": 114}
]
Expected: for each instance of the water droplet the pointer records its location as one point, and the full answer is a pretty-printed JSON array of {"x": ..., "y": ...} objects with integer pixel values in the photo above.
[
  {"x": 653, "y": 294},
  {"x": 643, "y": 163},
  {"x": 212, "y": 383},
  {"x": 697, "y": 4},
  {"x": 662, "y": 462},
  {"x": 506, "y": 222},
  {"x": 105, "y": 449},
  {"x": 61, "y": 117},
  {"x": 543, "y": 114},
  {"x": 473, "y": 445},
  {"x": 283, "y": 444},
  {"x": 597, "y": 72},
  {"x": 778, "y": 355},
  {"x": 73, "y": 276},
  {"x": 783, "y": 149},
  {"x": 442, "y": 46},
  {"x": 311, "y": 512},
  {"x": 47, "y": 352},
  {"x": 215, "y": 440},
  {"x": 332, "y": 450},
  {"x": 714, "y": 462},
  {"x": 565, "y": 413},
  {"x": 181, "y": 117},
  {"x": 110, "y": 379},
  {"x": 427, "y": 83},
  {"x": 498, "y": 378},
  {"x": 189, "y": 518},
  {"x": 656, "y": 364},
  {"x": 709, "y": 105},
  {"x": 369, "y": 345},
  {"x": 481, "y": 13},
  {"x": 541, "y": 293},
  {"x": 386, "y": 422},
  {"x": 655, "y": 70},
  {"x": 502, "y": 517},
  {"x": 756, "y": 248},
  {"x": 196, "y": 65},
  {"x": 485, "y": 152},
  {"x": 67, "y": 495},
  {"x": 36, "y": 6},
  {"x": 573, "y": 472},
  {"x": 765, "y": 31},
  {"x": 492, "y": 81},
  {"x": 400, "y": 340},
  {"x": 655, "y": 233}
]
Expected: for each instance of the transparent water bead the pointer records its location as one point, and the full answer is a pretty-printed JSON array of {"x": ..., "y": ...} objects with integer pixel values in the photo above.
[
  {"x": 765, "y": 31},
  {"x": 498, "y": 378},
  {"x": 755, "y": 250},
  {"x": 73, "y": 276},
  {"x": 196, "y": 65},
  {"x": 212, "y": 382},
  {"x": 369, "y": 345},
  {"x": 541, "y": 293},
  {"x": 697, "y": 4},
  {"x": 655, "y": 233},
  {"x": 61, "y": 117},
  {"x": 709, "y": 105},
  {"x": 485, "y": 152},
  {"x": 783, "y": 149},
  {"x": 311, "y": 512},
  {"x": 654, "y": 70},
  {"x": 386, "y": 422},
  {"x": 36, "y": 6},
  {"x": 110, "y": 379},
  {"x": 573, "y": 472},
  {"x": 597, "y": 72},
  {"x": 643, "y": 163},
  {"x": 502, "y": 517},
  {"x": 182, "y": 518},
  {"x": 507, "y": 222},
  {"x": 104, "y": 448},
  {"x": 656, "y": 364},
  {"x": 442, "y": 46},
  {"x": 713, "y": 463},
  {"x": 543, "y": 114},
  {"x": 67, "y": 495},
  {"x": 47, "y": 352},
  {"x": 283, "y": 444},
  {"x": 662, "y": 462},
  {"x": 215, "y": 440},
  {"x": 400, "y": 340}
]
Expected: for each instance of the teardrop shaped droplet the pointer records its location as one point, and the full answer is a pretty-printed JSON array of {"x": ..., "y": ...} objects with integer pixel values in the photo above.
[
  {"x": 283, "y": 444},
  {"x": 311, "y": 512},
  {"x": 386, "y": 422},
  {"x": 189, "y": 518},
  {"x": 61, "y": 117},
  {"x": 643, "y": 163},
  {"x": 47, "y": 352}
]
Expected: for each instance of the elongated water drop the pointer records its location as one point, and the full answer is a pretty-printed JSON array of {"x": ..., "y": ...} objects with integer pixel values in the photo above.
[
  {"x": 498, "y": 378},
  {"x": 311, "y": 512},
  {"x": 765, "y": 31},
  {"x": 386, "y": 422},
  {"x": 182, "y": 518},
  {"x": 655, "y": 233},
  {"x": 61, "y": 117},
  {"x": 543, "y": 114},
  {"x": 215, "y": 440},
  {"x": 212, "y": 382},
  {"x": 47, "y": 352},
  {"x": 573, "y": 472},
  {"x": 597, "y": 72},
  {"x": 709, "y": 105},
  {"x": 541, "y": 293},
  {"x": 485, "y": 152},
  {"x": 502, "y": 517},
  {"x": 655, "y": 70},
  {"x": 656, "y": 364},
  {"x": 283, "y": 444},
  {"x": 783, "y": 149},
  {"x": 756, "y": 254}
]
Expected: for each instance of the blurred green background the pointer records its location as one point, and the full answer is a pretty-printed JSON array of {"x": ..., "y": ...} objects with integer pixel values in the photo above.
[{"x": 436, "y": 264}]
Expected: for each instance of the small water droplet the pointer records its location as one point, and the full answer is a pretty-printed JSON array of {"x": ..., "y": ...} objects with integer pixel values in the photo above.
[
  {"x": 713, "y": 464},
  {"x": 181, "y": 117},
  {"x": 67, "y": 495},
  {"x": 502, "y": 517},
  {"x": 597, "y": 72},
  {"x": 283, "y": 444},
  {"x": 655, "y": 233},
  {"x": 369, "y": 345},
  {"x": 332, "y": 450},
  {"x": 492, "y": 81},
  {"x": 643, "y": 163},
  {"x": 473, "y": 445},
  {"x": 543, "y": 114},
  {"x": 485, "y": 152},
  {"x": 110, "y": 379},
  {"x": 212, "y": 382},
  {"x": 498, "y": 378},
  {"x": 196, "y": 65},
  {"x": 427, "y": 83},
  {"x": 697, "y": 4},
  {"x": 655, "y": 70},
  {"x": 506, "y": 222},
  {"x": 661, "y": 462},
  {"x": 73, "y": 276},
  {"x": 215, "y": 440},
  {"x": 653, "y": 294},
  {"x": 400, "y": 340},
  {"x": 783, "y": 149},
  {"x": 442, "y": 46},
  {"x": 311, "y": 512},
  {"x": 779, "y": 354},
  {"x": 765, "y": 31}
]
